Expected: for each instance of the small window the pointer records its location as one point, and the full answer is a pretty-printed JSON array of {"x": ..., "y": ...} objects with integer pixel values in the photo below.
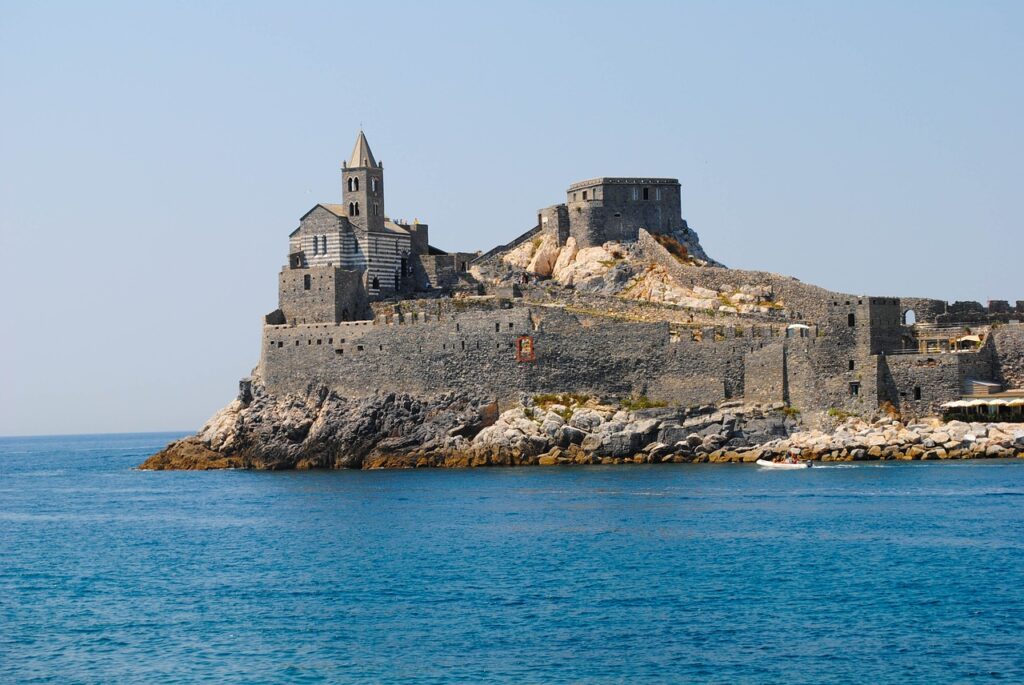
[
  {"x": 373, "y": 184},
  {"x": 584, "y": 195},
  {"x": 647, "y": 193},
  {"x": 375, "y": 284},
  {"x": 510, "y": 325},
  {"x": 280, "y": 344},
  {"x": 319, "y": 341},
  {"x": 324, "y": 245},
  {"x": 307, "y": 282},
  {"x": 851, "y": 365},
  {"x": 636, "y": 192},
  {"x": 657, "y": 193},
  {"x": 917, "y": 392},
  {"x": 854, "y": 389},
  {"x": 357, "y": 184},
  {"x": 497, "y": 327},
  {"x": 359, "y": 348},
  {"x": 851, "y": 320}
]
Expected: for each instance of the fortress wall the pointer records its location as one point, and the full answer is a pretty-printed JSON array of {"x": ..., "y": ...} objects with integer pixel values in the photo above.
[
  {"x": 937, "y": 376},
  {"x": 334, "y": 294},
  {"x": 1008, "y": 353},
  {"x": 807, "y": 302},
  {"x": 925, "y": 310},
  {"x": 764, "y": 374},
  {"x": 938, "y": 311},
  {"x": 819, "y": 377},
  {"x": 476, "y": 352}
]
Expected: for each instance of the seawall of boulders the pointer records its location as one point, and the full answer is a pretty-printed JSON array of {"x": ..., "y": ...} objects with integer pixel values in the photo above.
[{"x": 858, "y": 440}]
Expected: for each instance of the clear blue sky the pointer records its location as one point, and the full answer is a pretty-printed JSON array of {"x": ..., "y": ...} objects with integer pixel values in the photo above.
[{"x": 155, "y": 156}]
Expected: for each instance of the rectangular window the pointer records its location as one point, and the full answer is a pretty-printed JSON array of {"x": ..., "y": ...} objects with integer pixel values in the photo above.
[
  {"x": 851, "y": 365},
  {"x": 647, "y": 192},
  {"x": 917, "y": 392},
  {"x": 657, "y": 193},
  {"x": 854, "y": 389},
  {"x": 636, "y": 192},
  {"x": 584, "y": 195}
]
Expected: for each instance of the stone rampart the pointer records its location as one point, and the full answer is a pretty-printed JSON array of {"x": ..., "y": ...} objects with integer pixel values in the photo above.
[
  {"x": 1008, "y": 354},
  {"x": 480, "y": 352}
]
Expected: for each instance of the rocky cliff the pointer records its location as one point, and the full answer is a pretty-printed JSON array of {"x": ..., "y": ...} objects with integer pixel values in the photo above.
[{"x": 320, "y": 429}]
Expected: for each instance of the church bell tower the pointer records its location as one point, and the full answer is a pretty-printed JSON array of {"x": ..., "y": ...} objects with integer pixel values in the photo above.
[{"x": 362, "y": 187}]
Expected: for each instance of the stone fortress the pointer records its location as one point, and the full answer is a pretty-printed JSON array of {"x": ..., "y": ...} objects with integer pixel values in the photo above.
[{"x": 608, "y": 294}]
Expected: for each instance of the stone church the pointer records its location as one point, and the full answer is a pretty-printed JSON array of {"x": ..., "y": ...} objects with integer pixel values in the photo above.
[{"x": 342, "y": 256}]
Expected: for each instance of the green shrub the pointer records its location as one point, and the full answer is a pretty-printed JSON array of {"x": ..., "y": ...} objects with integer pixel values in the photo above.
[{"x": 642, "y": 402}]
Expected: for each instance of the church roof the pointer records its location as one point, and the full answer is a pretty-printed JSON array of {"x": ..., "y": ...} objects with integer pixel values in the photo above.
[
  {"x": 362, "y": 156},
  {"x": 336, "y": 210},
  {"x": 392, "y": 227}
]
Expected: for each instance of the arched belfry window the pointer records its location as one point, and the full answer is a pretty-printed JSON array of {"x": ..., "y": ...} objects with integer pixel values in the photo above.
[
  {"x": 350, "y": 179},
  {"x": 357, "y": 209},
  {"x": 373, "y": 184},
  {"x": 357, "y": 183},
  {"x": 351, "y": 208}
]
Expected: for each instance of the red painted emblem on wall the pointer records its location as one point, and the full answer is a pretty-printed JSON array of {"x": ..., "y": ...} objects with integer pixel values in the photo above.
[{"x": 525, "y": 351}]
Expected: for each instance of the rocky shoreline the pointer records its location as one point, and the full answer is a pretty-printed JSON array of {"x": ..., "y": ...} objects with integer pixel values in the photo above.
[{"x": 390, "y": 430}]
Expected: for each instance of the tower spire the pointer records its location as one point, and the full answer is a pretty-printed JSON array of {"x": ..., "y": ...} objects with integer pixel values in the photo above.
[{"x": 362, "y": 156}]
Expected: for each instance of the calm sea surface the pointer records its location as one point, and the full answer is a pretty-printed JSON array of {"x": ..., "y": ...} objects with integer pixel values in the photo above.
[{"x": 632, "y": 574}]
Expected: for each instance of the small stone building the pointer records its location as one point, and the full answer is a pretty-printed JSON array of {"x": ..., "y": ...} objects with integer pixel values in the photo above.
[{"x": 603, "y": 209}]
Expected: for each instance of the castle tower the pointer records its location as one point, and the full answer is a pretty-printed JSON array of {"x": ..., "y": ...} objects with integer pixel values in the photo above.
[{"x": 362, "y": 187}]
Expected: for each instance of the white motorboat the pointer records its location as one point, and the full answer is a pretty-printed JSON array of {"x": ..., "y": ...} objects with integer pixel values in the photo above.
[{"x": 783, "y": 464}]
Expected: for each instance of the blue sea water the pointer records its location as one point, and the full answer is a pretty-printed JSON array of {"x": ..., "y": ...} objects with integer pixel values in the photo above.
[{"x": 873, "y": 573}]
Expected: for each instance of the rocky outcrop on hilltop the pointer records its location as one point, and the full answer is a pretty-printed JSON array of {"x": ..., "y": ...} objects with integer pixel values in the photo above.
[{"x": 621, "y": 270}]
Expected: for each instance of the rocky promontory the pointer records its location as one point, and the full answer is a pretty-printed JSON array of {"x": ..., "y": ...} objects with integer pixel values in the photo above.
[{"x": 321, "y": 429}]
